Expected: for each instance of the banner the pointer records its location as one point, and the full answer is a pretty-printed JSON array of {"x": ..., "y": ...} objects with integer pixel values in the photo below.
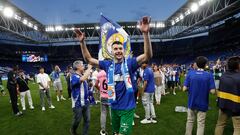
[{"x": 111, "y": 32}]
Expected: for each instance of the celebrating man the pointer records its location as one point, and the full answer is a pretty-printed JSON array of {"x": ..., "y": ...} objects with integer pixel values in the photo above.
[{"x": 120, "y": 73}]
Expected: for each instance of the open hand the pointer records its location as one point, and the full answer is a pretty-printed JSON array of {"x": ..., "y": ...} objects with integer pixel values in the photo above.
[{"x": 80, "y": 35}]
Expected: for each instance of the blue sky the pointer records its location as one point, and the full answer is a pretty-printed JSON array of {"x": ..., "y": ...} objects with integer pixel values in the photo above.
[{"x": 88, "y": 11}]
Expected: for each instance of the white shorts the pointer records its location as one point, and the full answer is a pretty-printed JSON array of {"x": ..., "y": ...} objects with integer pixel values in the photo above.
[{"x": 57, "y": 86}]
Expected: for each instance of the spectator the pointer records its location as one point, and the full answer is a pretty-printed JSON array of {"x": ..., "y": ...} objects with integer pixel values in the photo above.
[
  {"x": 228, "y": 97},
  {"x": 199, "y": 83}
]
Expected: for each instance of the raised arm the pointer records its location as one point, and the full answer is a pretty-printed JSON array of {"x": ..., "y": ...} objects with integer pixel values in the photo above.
[
  {"x": 145, "y": 27},
  {"x": 86, "y": 55},
  {"x": 86, "y": 74}
]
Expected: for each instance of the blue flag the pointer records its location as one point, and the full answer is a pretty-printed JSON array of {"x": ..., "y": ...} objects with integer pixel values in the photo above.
[{"x": 111, "y": 32}]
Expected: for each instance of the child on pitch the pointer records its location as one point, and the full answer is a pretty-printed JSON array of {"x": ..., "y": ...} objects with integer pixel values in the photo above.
[
  {"x": 120, "y": 72},
  {"x": 101, "y": 84},
  {"x": 57, "y": 84}
]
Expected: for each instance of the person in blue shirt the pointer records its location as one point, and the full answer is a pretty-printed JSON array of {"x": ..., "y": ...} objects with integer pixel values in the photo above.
[
  {"x": 80, "y": 97},
  {"x": 199, "y": 84},
  {"x": 147, "y": 98},
  {"x": 57, "y": 83},
  {"x": 121, "y": 70}
]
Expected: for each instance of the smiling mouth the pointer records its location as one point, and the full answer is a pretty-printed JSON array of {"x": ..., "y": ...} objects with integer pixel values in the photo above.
[{"x": 118, "y": 54}]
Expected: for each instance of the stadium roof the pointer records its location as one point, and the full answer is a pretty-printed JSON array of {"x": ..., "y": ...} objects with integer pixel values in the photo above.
[{"x": 193, "y": 17}]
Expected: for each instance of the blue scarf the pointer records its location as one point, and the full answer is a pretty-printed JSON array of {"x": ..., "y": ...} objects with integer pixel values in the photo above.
[{"x": 111, "y": 82}]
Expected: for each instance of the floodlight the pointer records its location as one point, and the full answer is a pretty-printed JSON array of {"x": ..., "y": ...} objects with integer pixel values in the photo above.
[
  {"x": 181, "y": 17},
  {"x": 152, "y": 25},
  {"x": 30, "y": 24},
  {"x": 17, "y": 17},
  {"x": 58, "y": 28},
  {"x": 194, "y": 7},
  {"x": 177, "y": 20},
  {"x": 25, "y": 21},
  {"x": 97, "y": 27},
  {"x": 202, "y": 2},
  {"x": 35, "y": 27},
  {"x": 50, "y": 28},
  {"x": 8, "y": 12},
  {"x": 188, "y": 12},
  {"x": 160, "y": 25},
  {"x": 138, "y": 26}
]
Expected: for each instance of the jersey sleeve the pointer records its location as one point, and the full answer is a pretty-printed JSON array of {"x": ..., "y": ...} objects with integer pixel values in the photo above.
[
  {"x": 146, "y": 75},
  {"x": 211, "y": 82},
  {"x": 187, "y": 80},
  {"x": 104, "y": 64},
  {"x": 75, "y": 80},
  {"x": 134, "y": 64}
]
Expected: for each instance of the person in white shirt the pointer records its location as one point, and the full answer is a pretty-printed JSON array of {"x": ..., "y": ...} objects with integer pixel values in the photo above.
[
  {"x": 159, "y": 84},
  {"x": 44, "y": 85}
]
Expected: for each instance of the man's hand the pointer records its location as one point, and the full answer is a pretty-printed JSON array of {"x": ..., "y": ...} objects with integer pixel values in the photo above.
[
  {"x": 145, "y": 24},
  {"x": 89, "y": 66},
  {"x": 184, "y": 88},
  {"x": 80, "y": 35}
]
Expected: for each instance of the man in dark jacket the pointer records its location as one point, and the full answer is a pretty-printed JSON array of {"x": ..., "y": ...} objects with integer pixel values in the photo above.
[
  {"x": 229, "y": 97},
  {"x": 12, "y": 88}
]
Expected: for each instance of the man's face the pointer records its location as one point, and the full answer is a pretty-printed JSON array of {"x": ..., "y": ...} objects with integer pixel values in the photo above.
[
  {"x": 195, "y": 66},
  {"x": 155, "y": 68},
  {"x": 118, "y": 51},
  {"x": 56, "y": 68},
  {"x": 42, "y": 70},
  {"x": 21, "y": 73},
  {"x": 80, "y": 67},
  {"x": 144, "y": 65}
]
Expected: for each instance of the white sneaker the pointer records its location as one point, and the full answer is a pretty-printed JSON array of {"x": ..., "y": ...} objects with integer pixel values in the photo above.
[
  {"x": 146, "y": 121},
  {"x": 43, "y": 109},
  {"x": 136, "y": 116},
  {"x": 133, "y": 123},
  {"x": 153, "y": 120},
  {"x": 103, "y": 132},
  {"x": 174, "y": 93},
  {"x": 62, "y": 98},
  {"x": 19, "y": 113},
  {"x": 24, "y": 108},
  {"x": 31, "y": 107},
  {"x": 58, "y": 98},
  {"x": 52, "y": 107}
]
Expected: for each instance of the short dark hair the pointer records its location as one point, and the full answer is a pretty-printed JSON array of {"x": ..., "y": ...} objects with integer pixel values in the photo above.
[
  {"x": 41, "y": 68},
  {"x": 15, "y": 67},
  {"x": 117, "y": 42},
  {"x": 201, "y": 61},
  {"x": 233, "y": 63},
  {"x": 145, "y": 62}
]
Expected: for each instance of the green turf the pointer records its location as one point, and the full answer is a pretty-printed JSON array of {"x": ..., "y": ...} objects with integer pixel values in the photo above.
[{"x": 58, "y": 121}]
